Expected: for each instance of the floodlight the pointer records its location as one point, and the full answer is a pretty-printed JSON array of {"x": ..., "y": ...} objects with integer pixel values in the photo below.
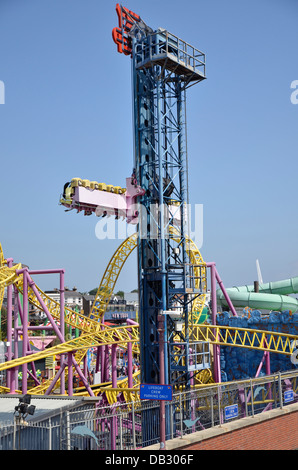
[
  {"x": 31, "y": 410},
  {"x": 26, "y": 399},
  {"x": 174, "y": 314},
  {"x": 22, "y": 408}
]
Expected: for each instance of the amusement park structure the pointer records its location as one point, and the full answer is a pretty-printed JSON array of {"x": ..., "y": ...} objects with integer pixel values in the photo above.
[
  {"x": 156, "y": 196},
  {"x": 174, "y": 342}
]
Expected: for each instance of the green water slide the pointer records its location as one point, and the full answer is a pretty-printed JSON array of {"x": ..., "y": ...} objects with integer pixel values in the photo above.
[{"x": 271, "y": 296}]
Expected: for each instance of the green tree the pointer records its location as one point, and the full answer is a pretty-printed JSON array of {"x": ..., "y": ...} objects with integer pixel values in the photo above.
[
  {"x": 120, "y": 293},
  {"x": 93, "y": 291}
]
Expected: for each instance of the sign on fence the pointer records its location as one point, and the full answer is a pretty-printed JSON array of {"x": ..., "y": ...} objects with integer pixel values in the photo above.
[
  {"x": 288, "y": 396},
  {"x": 156, "y": 392},
  {"x": 231, "y": 411}
]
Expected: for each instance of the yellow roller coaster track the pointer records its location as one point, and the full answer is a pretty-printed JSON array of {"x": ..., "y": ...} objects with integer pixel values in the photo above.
[
  {"x": 91, "y": 324},
  {"x": 93, "y": 335},
  {"x": 105, "y": 290},
  {"x": 121, "y": 335},
  {"x": 73, "y": 318},
  {"x": 107, "y": 286},
  {"x": 89, "y": 327},
  {"x": 8, "y": 276},
  {"x": 261, "y": 340},
  {"x": 220, "y": 335},
  {"x": 116, "y": 264},
  {"x": 111, "y": 275}
]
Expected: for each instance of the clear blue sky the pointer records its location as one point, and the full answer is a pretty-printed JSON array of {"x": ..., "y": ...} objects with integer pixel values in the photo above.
[{"x": 67, "y": 113}]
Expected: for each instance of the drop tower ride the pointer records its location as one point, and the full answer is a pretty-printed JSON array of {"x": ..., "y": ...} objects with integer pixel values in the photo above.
[{"x": 163, "y": 68}]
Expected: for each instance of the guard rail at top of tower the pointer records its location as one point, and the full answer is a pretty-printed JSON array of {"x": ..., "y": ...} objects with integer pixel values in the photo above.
[{"x": 172, "y": 53}]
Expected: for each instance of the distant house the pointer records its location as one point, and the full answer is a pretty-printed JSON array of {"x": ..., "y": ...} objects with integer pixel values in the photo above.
[
  {"x": 132, "y": 298},
  {"x": 118, "y": 310},
  {"x": 72, "y": 298}
]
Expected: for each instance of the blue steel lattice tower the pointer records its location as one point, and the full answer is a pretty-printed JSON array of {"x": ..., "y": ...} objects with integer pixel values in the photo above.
[{"x": 163, "y": 67}]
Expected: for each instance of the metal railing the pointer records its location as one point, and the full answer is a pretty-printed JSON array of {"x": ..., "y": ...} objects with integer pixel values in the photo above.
[
  {"x": 130, "y": 426},
  {"x": 163, "y": 44},
  {"x": 198, "y": 352}
]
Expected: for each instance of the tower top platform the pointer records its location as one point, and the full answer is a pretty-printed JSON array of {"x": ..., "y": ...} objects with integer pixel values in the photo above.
[{"x": 171, "y": 53}]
